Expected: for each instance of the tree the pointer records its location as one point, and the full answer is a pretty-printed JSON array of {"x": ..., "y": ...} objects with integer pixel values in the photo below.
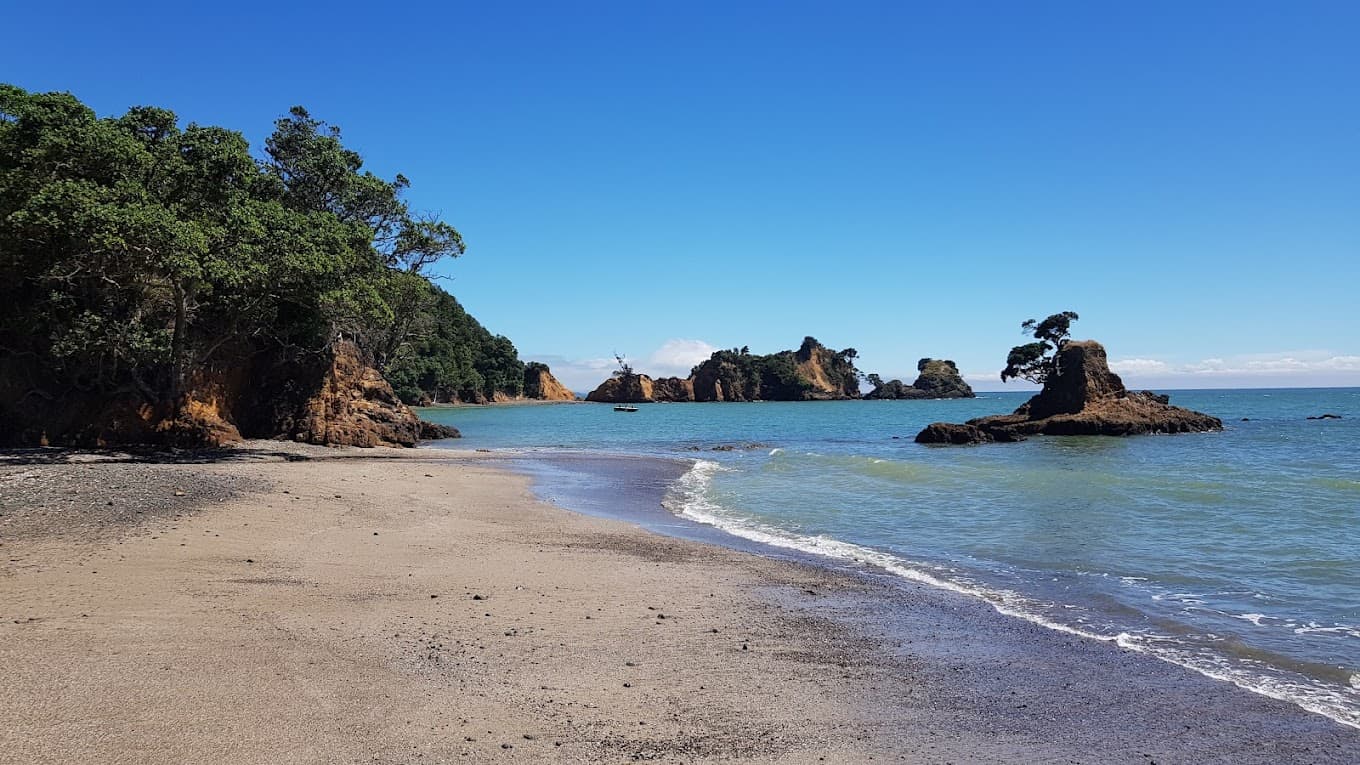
[
  {"x": 875, "y": 380},
  {"x": 133, "y": 251},
  {"x": 1037, "y": 361}
]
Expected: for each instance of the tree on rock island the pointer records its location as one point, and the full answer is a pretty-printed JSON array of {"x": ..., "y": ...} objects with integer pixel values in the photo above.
[{"x": 1037, "y": 361}]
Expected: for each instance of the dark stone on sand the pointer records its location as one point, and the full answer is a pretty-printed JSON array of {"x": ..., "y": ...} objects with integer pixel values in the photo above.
[{"x": 1082, "y": 398}]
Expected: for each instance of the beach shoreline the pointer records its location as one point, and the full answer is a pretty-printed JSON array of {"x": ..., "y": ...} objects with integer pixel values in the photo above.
[{"x": 301, "y": 604}]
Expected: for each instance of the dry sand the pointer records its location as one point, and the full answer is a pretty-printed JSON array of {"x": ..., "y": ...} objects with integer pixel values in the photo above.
[{"x": 414, "y": 610}]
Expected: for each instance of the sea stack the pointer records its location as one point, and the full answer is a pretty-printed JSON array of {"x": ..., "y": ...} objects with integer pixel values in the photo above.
[
  {"x": 938, "y": 378},
  {"x": 1081, "y": 398}
]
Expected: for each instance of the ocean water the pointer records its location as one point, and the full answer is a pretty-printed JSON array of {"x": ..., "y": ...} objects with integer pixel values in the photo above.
[{"x": 1236, "y": 554}]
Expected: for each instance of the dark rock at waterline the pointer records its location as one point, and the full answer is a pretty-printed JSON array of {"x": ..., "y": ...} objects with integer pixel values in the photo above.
[
  {"x": 950, "y": 433},
  {"x": 1325, "y": 417},
  {"x": 430, "y": 431},
  {"x": 1082, "y": 398}
]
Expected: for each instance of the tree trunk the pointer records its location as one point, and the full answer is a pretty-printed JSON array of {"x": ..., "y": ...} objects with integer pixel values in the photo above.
[{"x": 178, "y": 341}]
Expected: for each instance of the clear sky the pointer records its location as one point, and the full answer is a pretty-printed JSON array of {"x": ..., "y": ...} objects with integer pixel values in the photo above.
[{"x": 907, "y": 178}]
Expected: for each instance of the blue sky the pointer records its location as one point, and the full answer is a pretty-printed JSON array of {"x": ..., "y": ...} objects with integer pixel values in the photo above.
[{"x": 910, "y": 179}]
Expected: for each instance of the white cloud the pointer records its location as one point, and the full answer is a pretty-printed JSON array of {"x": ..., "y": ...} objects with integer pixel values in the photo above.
[
  {"x": 1139, "y": 366},
  {"x": 676, "y": 357},
  {"x": 1288, "y": 368},
  {"x": 579, "y": 375},
  {"x": 1278, "y": 363}
]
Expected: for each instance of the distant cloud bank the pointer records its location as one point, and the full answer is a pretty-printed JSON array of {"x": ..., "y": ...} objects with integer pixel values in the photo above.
[{"x": 1302, "y": 368}]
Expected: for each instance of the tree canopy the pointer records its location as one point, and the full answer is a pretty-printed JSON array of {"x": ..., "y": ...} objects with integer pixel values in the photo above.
[
  {"x": 134, "y": 251},
  {"x": 1037, "y": 361}
]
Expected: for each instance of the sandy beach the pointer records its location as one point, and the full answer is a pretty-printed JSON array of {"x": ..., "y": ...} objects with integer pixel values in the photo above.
[{"x": 275, "y": 604}]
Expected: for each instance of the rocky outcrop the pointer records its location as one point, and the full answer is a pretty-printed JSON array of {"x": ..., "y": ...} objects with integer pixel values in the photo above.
[
  {"x": 830, "y": 375},
  {"x": 336, "y": 399},
  {"x": 623, "y": 389},
  {"x": 951, "y": 433},
  {"x": 539, "y": 384},
  {"x": 812, "y": 373},
  {"x": 1081, "y": 397},
  {"x": 430, "y": 431},
  {"x": 938, "y": 378},
  {"x": 354, "y": 406},
  {"x": 707, "y": 380},
  {"x": 672, "y": 389}
]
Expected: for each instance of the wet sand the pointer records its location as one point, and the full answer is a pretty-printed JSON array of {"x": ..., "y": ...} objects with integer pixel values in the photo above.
[{"x": 280, "y": 604}]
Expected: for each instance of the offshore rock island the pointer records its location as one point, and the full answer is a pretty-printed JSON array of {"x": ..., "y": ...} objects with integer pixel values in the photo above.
[
  {"x": 1082, "y": 397},
  {"x": 811, "y": 373},
  {"x": 939, "y": 378}
]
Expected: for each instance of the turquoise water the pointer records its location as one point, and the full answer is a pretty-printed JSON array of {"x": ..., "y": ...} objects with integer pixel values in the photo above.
[{"x": 1234, "y": 553}]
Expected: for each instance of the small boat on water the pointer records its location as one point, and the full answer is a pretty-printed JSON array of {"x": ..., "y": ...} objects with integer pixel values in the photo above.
[{"x": 625, "y": 408}]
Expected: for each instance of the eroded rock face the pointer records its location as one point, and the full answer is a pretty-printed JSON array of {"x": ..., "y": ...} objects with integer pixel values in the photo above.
[
  {"x": 811, "y": 373},
  {"x": 354, "y": 406},
  {"x": 1083, "y": 377},
  {"x": 338, "y": 399},
  {"x": 540, "y": 384},
  {"x": 938, "y": 378},
  {"x": 823, "y": 368},
  {"x": 1083, "y": 397},
  {"x": 623, "y": 389},
  {"x": 672, "y": 389}
]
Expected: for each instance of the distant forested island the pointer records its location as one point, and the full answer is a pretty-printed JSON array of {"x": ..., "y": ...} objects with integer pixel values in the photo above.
[
  {"x": 813, "y": 372},
  {"x": 164, "y": 284}
]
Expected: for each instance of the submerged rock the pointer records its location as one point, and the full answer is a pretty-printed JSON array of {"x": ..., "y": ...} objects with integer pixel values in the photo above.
[{"x": 1083, "y": 397}]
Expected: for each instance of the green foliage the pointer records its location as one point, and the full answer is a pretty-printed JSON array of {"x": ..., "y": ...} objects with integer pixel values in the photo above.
[
  {"x": 776, "y": 376},
  {"x": 1037, "y": 361},
  {"x": 133, "y": 251},
  {"x": 454, "y": 358}
]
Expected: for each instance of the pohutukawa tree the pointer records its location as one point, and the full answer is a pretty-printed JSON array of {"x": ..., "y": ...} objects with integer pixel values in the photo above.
[{"x": 1038, "y": 361}]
